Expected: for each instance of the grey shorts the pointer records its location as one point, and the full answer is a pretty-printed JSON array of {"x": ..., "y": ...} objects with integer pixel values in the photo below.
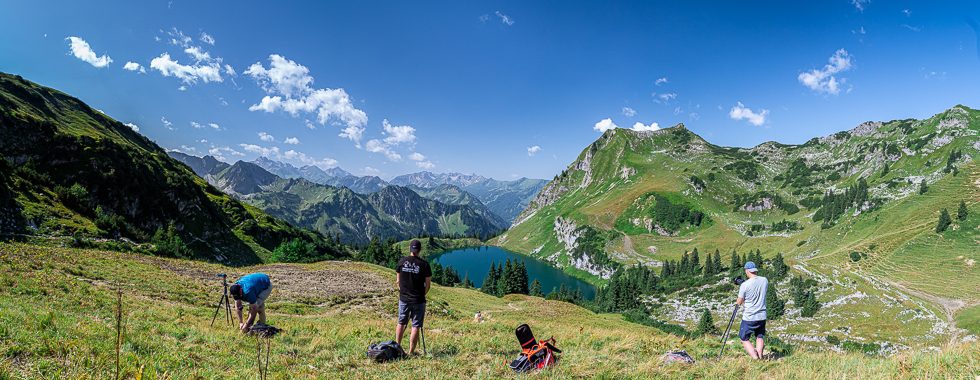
[
  {"x": 414, "y": 310},
  {"x": 263, "y": 295}
]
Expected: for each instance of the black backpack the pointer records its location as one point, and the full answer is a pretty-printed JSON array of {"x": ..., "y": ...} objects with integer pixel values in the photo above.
[{"x": 385, "y": 351}]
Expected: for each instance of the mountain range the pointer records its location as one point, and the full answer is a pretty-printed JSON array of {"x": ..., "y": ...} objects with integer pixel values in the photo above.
[
  {"x": 390, "y": 212},
  {"x": 505, "y": 199}
]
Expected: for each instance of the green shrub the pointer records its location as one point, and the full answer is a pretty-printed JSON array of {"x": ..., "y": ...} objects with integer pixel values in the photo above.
[
  {"x": 295, "y": 251},
  {"x": 855, "y": 256},
  {"x": 167, "y": 242},
  {"x": 866, "y": 348},
  {"x": 833, "y": 340}
]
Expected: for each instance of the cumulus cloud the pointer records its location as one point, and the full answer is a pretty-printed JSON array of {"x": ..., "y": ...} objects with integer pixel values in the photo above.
[
  {"x": 196, "y": 125},
  {"x": 261, "y": 150},
  {"x": 323, "y": 163},
  {"x": 741, "y": 112},
  {"x": 664, "y": 98},
  {"x": 629, "y": 112},
  {"x": 860, "y": 4},
  {"x": 427, "y": 165},
  {"x": 605, "y": 125},
  {"x": 660, "y": 81},
  {"x": 266, "y": 137},
  {"x": 398, "y": 134},
  {"x": 370, "y": 171},
  {"x": 416, "y": 156},
  {"x": 206, "y": 38},
  {"x": 81, "y": 50},
  {"x": 133, "y": 126},
  {"x": 505, "y": 18},
  {"x": 133, "y": 66},
  {"x": 639, "y": 127},
  {"x": 378, "y": 146},
  {"x": 222, "y": 153},
  {"x": 532, "y": 150},
  {"x": 189, "y": 74},
  {"x": 290, "y": 89},
  {"x": 205, "y": 68},
  {"x": 825, "y": 80},
  {"x": 166, "y": 123},
  {"x": 291, "y": 141},
  {"x": 214, "y": 126}
]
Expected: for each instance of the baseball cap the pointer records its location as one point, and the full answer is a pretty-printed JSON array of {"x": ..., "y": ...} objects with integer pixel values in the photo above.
[
  {"x": 750, "y": 266},
  {"x": 415, "y": 246}
]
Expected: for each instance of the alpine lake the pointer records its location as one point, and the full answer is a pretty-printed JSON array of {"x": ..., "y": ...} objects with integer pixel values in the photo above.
[{"x": 475, "y": 263}]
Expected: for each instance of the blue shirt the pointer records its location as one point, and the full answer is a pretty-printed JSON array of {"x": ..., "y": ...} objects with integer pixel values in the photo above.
[{"x": 252, "y": 285}]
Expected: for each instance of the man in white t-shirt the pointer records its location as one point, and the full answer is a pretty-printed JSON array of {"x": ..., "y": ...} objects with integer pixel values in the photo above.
[{"x": 752, "y": 294}]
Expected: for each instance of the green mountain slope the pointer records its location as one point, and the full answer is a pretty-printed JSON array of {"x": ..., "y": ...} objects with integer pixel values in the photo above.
[
  {"x": 506, "y": 198},
  {"x": 453, "y": 195},
  {"x": 69, "y": 169},
  {"x": 646, "y": 197}
]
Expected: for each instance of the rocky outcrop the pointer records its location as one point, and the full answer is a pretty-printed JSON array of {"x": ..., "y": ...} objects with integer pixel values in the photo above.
[
  {"x": 759, "y": 205},
  {"x": 566, "y": 233}
]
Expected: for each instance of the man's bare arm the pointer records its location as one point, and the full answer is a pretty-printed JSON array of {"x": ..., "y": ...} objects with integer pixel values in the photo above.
[
  {"x": 428, "y": 283},
  {"x": 238, "y": 309}
]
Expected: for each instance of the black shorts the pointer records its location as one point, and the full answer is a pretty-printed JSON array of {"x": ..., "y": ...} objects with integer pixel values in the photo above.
[{"x": 748, "y": 328}]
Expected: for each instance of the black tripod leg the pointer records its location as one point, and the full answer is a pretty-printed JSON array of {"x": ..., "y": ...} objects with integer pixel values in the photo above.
[
  {"x": 724, "y": 338},
  {"x": 217, "y": 309}
]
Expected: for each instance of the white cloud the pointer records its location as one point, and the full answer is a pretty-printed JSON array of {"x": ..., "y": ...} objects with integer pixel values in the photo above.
[
  {"x": 639, "y": 127},
  {"x": 427, "y": 165},
  {"x": 532, "y": 150},
  {"x": 133, "y": 126},
  {"x": 912, "y": 27},
  {"x": 378, "y": 146},
  {"x": 203, "y": 141},
  {"x": 166, "y": 123},
  {"x": 741, "y": 112},
  {"x": 660, "y": 81},
  {"x": 290, "y": 90},
  {"x": 133, "y": 66},
  {"x": 629, "y": 112},
  {"x": 198, "y": 54},
  {"x": 221, "y": 152},
  {"x": 398, "y": 134},
  {"x": 214, "y": 126},
  {"x": 182, "y": 88},
  {"x": 416, "y": 156},
  {"x": 291, "y": 141},
  {"x": 605, "y": 125},
  {"x": 324, "y": 163},
  {"x": 206, "y": 38},
  {"x": 230, "y": 70},
  {"x": 196, "y": 125},
  {"x": 189, "y": 74},
  {"x": 825, "y": 80},
  {"x": 484, "y": 18},
  {"x": 370, "y": 171},
  {"x": 81, "y": 50},
  {"x": 908, "y": 13},
  {"x": 283, "y": 76},
  {"x": 860, "y": 4},
  {"x": 266, "y": 137},
  {"x": 664, "y": 98},
  {"x": 505, "y": 18},
  {"x": 261, "y": 150}
]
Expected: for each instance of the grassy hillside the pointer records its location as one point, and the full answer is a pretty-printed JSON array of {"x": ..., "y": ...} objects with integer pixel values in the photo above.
[
  {"x": 57, "y": 308},
  {"x": 631, "y": 195},
  {"x": 69, "y": 170}
]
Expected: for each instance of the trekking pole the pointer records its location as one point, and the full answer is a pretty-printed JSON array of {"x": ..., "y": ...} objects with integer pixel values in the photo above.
[{"x": 724, "y": 338}]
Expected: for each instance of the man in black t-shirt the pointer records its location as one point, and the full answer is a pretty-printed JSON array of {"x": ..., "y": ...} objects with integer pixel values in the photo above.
[{"x": 413, "y": 279}]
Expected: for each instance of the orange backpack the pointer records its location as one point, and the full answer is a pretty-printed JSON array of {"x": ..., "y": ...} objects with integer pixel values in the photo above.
[{"x": 535, "y": 354}]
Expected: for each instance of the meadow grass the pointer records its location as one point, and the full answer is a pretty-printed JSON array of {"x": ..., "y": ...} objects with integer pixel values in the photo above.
[{"x": 57, "y": 307}]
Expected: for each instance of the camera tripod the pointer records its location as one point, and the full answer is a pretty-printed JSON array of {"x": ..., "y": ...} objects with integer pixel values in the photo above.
[{"x": 224, "y": 301}]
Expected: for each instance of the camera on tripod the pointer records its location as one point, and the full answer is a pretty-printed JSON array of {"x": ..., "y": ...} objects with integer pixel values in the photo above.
[
  {"x": 738, "y": 280},
  {"x": 223, "y": 302}
]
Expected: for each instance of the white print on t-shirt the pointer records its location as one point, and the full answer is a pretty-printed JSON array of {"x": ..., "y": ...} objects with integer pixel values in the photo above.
[{"x": 410, "y": 268}]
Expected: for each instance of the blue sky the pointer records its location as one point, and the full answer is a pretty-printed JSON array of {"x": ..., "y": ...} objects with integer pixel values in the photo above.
[{"x": 475, "y": 86}]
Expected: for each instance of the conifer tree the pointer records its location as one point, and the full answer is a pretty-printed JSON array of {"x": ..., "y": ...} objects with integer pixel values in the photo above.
[
  {"x": 695, "y": 262},
  {"x": 775, "y": 307},
  {"x": 962, "y": 212},
  {"x": 490, "y": 283},
  {"x": 810, "y": 305},
  {"x": 523, "y": 278},
  {"x": 716, "y": 265},
  {"x": 536, "y": 289},
  {"x": 735, "y": 267},
  {"x": 706, "y": 324},
  {"x": 944, "y": 221},
  {"x": 923, "y": 188}
]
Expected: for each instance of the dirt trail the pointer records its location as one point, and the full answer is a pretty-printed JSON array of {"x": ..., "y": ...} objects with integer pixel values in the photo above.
[
  {"x": 948, "y": 305},
  {"x": 295, "y": 282}
]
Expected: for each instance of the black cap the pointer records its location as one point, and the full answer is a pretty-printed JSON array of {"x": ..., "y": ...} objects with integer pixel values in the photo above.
[{"x": 415, "y": 246}]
